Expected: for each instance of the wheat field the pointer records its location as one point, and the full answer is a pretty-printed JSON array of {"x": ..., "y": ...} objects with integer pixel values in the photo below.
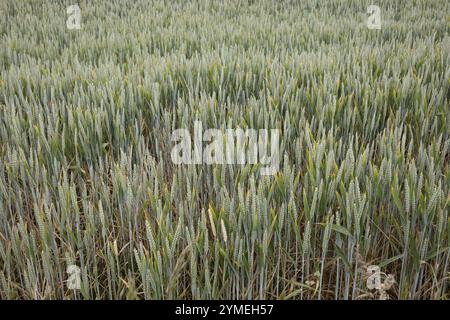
[{"x": 87, "y": 180}]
